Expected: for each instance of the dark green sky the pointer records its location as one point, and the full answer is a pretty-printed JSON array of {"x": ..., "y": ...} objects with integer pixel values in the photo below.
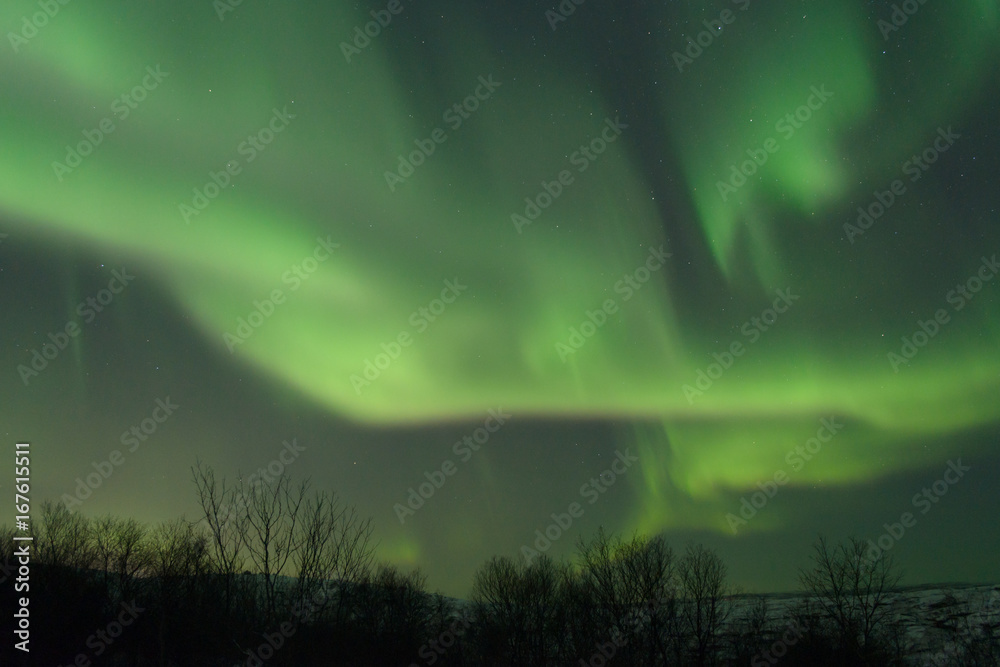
[{"x": 295, "y": 282}]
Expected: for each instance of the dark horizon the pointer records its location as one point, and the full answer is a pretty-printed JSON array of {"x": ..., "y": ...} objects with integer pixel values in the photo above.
[{"x": 190, "y": 594}]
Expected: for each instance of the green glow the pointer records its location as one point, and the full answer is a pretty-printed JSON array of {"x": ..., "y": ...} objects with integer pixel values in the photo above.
[{"x": 496, "y": 345}]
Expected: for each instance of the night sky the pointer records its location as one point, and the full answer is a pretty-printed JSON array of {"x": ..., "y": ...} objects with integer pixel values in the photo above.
[{"x": 501, "y": 249}]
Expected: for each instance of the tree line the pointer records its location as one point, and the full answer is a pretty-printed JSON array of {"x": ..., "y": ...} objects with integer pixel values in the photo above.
[{"x": 278, "y": 573}]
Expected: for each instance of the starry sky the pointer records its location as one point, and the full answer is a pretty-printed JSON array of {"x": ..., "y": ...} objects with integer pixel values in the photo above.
[{"x": 723, "y": 270}]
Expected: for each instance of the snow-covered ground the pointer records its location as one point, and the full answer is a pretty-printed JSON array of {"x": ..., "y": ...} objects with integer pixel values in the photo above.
[{"x": 937, "y": 620}]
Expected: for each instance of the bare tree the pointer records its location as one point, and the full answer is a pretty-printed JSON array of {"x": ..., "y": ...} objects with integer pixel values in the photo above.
[
  {"x": 542, "y": 585},
  {"x": 628, "y": 587},
  {"x": 518, "y": 610},
  {"x": 604, "y": 580},
  {"x": 101, "y": 530},
  {"x": 270, "y": 513},
  {"x": 223, "y": 510},
  {"x": 854, "y": 588},
  {"x": 64, "y": 538},
  {"x": 498, "y": 612},
  {"x": 653, "y": 566},
  {"x": 121, "y": 554},
  {"x": 179, "y": 556},
  {"x": 177, "y": 549},
  {"x": 393, "y": 611},
  {"x": 334, "y": 555},
  {"x": 280, "y": 529},
  {"x": 706, "y": 604}
]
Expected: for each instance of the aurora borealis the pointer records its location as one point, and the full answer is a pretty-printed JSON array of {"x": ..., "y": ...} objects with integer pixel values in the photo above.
[{"x": 366, "y": 226}]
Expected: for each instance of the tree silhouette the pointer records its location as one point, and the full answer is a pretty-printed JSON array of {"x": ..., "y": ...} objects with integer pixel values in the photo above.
[
  {"x": 705, "y": 608},
  {"x": 853, "y": 588}
]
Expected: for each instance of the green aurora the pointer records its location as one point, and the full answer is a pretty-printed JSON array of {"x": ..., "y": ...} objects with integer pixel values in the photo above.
[{"x": 511, "y": 336}]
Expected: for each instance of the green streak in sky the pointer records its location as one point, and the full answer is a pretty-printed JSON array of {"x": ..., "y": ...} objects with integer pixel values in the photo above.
[{"x": 323, "y": 177}]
